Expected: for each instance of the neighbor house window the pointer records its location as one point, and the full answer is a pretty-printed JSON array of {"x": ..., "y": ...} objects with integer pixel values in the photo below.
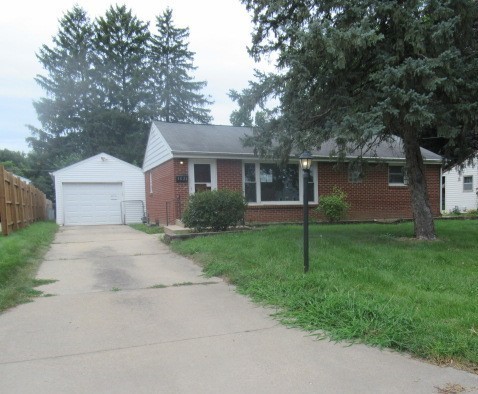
[
  {"x": 468, "y": 183},
  {"x": 270, "y": 183},
  {"x": 355, "y": 172},
  {"x": 397, "y": 175}
]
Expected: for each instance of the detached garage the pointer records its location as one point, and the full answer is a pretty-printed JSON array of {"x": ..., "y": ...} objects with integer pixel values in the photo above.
[{"x": 99, "y": 190}]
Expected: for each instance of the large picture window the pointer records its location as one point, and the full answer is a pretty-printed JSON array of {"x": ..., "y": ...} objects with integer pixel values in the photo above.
[{"x": 270, "y": 183}]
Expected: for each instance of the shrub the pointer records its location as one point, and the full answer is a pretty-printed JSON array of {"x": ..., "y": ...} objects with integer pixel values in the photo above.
[
  {"x": 334, "y": 206},
  {"x": 456, "y": 211},
  {"x": 217, "y": 210}
]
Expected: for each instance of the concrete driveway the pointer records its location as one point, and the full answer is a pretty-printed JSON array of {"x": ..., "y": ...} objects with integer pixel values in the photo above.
[{"x": 129, "y": 316}]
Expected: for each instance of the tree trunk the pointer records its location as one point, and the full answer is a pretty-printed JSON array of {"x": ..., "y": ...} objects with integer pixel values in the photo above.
[{"x": 422, "y": 214}]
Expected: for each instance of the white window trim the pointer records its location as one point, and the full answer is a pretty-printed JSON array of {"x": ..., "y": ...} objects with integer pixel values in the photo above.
[
  {"x": 259, "y": 203},
  {"x": 213, "y": 164},
  {"x": 405, "y": 177},
  {"x": 150, "y": 182}
]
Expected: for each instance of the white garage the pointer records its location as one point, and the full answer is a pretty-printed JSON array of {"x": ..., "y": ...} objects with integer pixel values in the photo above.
[{"x": 99, "y": 190}]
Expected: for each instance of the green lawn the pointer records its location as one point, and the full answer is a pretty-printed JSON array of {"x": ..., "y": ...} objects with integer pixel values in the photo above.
[
  {"x": 147, "y": 229},
  {"x": 20, "y": 257},
  {"x": 370, "y": 283}
]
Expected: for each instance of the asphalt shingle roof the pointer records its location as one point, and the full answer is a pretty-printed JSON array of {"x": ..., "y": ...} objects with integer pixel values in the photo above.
[
  {"x": 214, "y": 140},
  {"x": 208, "y": 139}
]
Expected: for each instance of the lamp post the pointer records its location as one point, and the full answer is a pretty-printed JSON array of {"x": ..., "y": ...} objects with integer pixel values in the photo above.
[{"x": 305, "y": 163}]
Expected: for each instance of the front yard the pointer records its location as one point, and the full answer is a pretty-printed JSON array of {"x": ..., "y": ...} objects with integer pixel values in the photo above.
[{"x": 370, "y": 283}]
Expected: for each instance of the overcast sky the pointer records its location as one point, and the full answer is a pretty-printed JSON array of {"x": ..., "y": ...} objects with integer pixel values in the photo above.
[{"x": 219, "y": 34}]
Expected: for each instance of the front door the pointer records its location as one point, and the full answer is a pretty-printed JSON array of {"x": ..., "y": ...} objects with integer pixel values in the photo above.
[{"x": 202, "y": 175}]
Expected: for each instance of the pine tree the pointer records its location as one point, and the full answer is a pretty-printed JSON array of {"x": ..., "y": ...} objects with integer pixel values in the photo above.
[
  {"x": 64, "y": 111},
  {"x": 120, "y": 118},
  {"x": 177, "y": 96},
  {"x": 364, "y": 70},
  {"x": 69, "y": 80}
]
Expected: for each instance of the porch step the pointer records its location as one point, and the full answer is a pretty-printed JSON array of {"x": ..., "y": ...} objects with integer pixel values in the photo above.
[
  {"x": 174, "y": 229},
  {"x": 179, "y": 223}
]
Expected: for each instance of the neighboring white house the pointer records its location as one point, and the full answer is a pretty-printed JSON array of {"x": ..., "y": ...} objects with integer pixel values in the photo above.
[
  {"x": 99, "y": 190},
  {"x": 460, "y": 188}
]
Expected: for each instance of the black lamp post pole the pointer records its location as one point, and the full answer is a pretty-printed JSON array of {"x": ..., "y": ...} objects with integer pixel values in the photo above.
[{"x": 306, "y": 220}]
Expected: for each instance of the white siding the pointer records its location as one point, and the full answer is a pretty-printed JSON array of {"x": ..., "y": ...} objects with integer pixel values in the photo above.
[
  {"x": 103, "y": 168},
  {"x": 454, "y": 194},
  {"x": 157, "y": 150}
]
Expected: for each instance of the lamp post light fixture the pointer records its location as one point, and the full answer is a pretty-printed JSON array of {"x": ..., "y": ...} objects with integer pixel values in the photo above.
[{"x": 305, "y": 163}]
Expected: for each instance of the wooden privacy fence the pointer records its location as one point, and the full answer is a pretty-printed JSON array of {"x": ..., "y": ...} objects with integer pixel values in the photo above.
[{"x": 20, "y": 203}]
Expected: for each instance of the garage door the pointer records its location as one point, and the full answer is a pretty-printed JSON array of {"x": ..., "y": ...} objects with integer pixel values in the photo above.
[{"x": 92, "y": 203}]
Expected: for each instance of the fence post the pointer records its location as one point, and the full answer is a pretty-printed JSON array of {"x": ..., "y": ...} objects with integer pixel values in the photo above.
[
  {"x": 14, "y": 199},
  {"x": 3, "y": 202},
  {"x": 21, "y": 206}
]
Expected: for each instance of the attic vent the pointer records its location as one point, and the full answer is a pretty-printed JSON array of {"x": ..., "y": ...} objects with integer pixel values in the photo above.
[{"x": 103, "y": 158}]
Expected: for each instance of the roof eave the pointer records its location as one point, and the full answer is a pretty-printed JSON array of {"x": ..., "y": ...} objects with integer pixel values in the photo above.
[{"x": 236, "y": 155}]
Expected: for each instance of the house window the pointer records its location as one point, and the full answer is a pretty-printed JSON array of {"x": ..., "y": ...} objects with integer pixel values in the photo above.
[
  {"x": 397, "y": 176},
  {"x": 279, "y": 184},
  {"x": 151, "y": 183},
  {"x": 270, "y": 183},
  {"x": 355, "y": 172},
  {"x": 468, "y": 183},
  {"x": 250, "y": 190}
]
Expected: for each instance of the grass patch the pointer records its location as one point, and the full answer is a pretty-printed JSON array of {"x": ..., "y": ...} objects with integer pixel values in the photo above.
[
  {"x": 20, "y": 256},
  {"x": 183, "y": 284},
  {"x": 147, "y": 229},
  {"x": 370, "y": 283},
  {"x": 158, "y": 286}
]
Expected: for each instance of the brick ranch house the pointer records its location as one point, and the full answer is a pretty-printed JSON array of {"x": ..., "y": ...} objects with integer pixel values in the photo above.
[{"x": 181, "y": 159}]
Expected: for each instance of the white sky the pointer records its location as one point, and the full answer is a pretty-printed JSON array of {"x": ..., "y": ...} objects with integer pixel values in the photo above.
[{"x": 219, "y": 34}]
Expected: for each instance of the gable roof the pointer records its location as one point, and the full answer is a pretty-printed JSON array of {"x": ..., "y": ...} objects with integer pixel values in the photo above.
[
  {"x": 190, "y": 140},
  {"x": 208, "y": 139},
  {"x": 91, "y": 159}
]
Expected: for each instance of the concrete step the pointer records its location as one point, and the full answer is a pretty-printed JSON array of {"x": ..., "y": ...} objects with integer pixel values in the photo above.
[
  {"x": 174, "y": 229},
  {"x": 179, "y": 223}
]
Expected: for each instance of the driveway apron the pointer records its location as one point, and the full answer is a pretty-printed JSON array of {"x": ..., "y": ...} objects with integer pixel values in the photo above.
[{"x": 128, "y": 316}]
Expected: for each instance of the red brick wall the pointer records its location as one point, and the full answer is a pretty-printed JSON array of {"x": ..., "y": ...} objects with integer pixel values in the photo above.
[
  {"x": 166, "y": 191},
  {"x": 229, "y": 174},
  {"x": 373, "y": 198}
]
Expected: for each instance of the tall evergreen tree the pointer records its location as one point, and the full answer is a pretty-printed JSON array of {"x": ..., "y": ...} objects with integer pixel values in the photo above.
[
  {"x": 363, "y": 70},
  {"x": 68, "y": 83},
  {"x": 121, "y": 116},
  {"x": 177, "y": 97},
  {"x": 64, "y": 111}
]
